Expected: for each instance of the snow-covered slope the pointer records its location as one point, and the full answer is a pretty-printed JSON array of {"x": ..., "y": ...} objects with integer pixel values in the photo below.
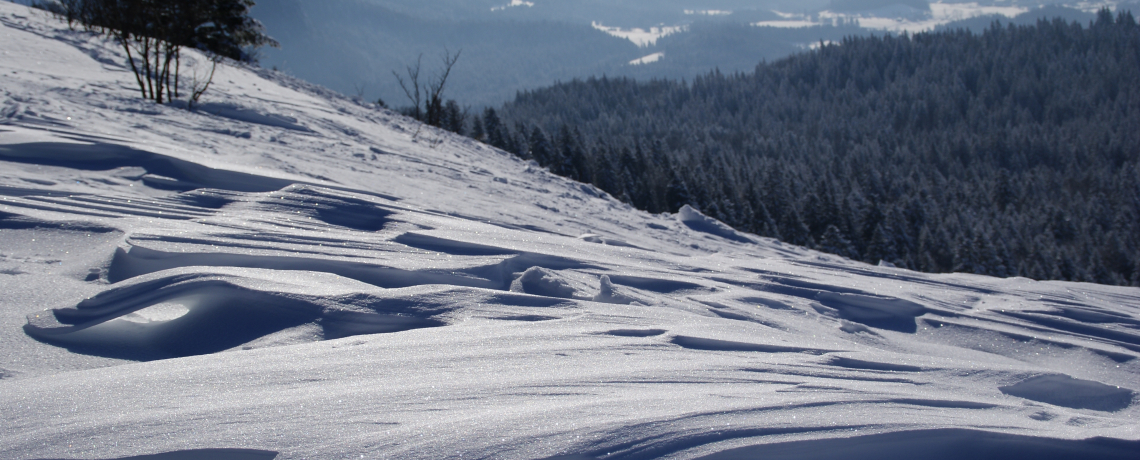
[{"x": 287, "y": 272}]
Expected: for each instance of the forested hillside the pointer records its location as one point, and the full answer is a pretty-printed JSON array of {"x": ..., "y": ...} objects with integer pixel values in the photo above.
[{"x": 1013, "y": 152}]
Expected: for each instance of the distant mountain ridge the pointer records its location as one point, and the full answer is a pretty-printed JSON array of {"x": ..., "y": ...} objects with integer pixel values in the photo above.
[{"x": 353, "y": 46}]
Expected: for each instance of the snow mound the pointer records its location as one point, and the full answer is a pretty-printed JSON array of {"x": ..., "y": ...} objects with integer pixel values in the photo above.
[
  {"x": 693, "y": 219},
  {"x": 607, "y": 293},
  {"x": 195, "y": 311},
  {"x": 543, "y": 282}
]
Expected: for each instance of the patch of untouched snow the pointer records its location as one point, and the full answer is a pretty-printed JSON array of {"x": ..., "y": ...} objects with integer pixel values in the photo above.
[
  {"x": 366, "y": 287},
  {"x": 648, "y": 59},
  {"x": 640, "y": 37}
]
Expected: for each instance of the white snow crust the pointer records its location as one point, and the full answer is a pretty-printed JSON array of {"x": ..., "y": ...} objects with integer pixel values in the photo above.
[{"x": 286, "y": 273}]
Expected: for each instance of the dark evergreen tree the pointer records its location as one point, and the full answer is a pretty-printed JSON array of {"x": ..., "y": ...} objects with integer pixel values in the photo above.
[
  {"x": 477, "y": 131},
  {"x": 493, "y": 128},
  {"x": 835, "y": 242},
  {"x": 677, "y": 194},
  {"x": 454, "y": 118},
  {"x": 539, "y": 146}
]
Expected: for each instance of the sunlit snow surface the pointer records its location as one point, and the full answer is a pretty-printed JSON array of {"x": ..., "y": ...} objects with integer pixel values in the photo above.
[
  {"x": 291, "y": 273},
  {"x": 940, "y": 13}
]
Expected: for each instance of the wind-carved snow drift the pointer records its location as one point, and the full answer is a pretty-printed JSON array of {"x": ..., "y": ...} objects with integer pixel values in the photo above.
[{"x": 294, "y": 274}]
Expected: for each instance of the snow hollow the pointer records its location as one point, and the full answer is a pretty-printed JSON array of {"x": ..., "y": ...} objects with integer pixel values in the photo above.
[{"x": 290, "y": 274}]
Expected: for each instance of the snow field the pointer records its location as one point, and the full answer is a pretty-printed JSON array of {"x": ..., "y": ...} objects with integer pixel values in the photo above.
[{"x": 292, "y": 273}]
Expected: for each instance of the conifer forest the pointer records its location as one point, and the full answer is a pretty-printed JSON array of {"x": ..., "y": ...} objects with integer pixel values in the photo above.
[{"x": 1011, "y": 152}]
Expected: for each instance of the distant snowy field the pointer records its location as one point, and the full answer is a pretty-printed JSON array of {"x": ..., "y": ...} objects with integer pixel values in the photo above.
[
  {"x": 289, "y": 273},
  {"x": 901, "y": 19},
  {"x": 893, "y": 18}
]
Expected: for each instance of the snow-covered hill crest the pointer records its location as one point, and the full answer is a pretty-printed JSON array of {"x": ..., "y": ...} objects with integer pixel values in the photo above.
[{"x": 287, "y": 272}]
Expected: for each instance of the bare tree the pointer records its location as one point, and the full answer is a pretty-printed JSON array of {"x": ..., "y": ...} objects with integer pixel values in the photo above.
[
  {"x": 435, "y": 101},
  {"x": 427, "y": 98},
  {"x": 414, "y": 92},
  {"x": 199, "y": 84}
]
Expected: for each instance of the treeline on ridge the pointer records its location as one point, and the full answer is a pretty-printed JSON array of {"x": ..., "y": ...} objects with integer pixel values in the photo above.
[{"x": 1013, "y": 152}]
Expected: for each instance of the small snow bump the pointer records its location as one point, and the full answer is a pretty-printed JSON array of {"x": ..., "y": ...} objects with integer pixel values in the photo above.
[
  {"x": 590, "y": 237},
  {"x": 543, "y": 282},
  {"x": 693, "y": 219}
]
